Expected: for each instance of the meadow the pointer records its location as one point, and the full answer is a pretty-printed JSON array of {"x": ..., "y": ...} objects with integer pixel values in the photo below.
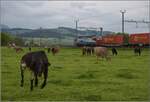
[{"x": 73, "y": 77}]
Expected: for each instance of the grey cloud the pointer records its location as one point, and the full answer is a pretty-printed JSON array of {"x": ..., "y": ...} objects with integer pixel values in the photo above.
[{"x": 63, "y": 13}]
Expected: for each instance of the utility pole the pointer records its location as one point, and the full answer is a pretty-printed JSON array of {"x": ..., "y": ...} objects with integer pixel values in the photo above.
[
  {"x": 122, "y": 12},
  {"x": 101, "y": 31},
  {"x": 40, "y": 35},
  {"x": 60, "y": 39},
  {"x": 31, "y": 44},
  {"x": 76, "y": 22},
  {"x": 77, "y": 27}
]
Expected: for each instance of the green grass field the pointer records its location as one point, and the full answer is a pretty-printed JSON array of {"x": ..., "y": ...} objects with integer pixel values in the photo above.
[{"x": 73, "y": 77}]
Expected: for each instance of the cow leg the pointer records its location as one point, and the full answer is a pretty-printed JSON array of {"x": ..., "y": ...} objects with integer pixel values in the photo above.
[
  {"x": 45, "y": 78},
  {"x": 116, "y": 53},
  {"x": 22, "y": 76},
  {"x": 36, "y": 80},
  {"x": 31, "y": 80},
  {"x": 82, "y": 52},
  {"x": 139, "y": 53},
  {"x": 108, "y": 58},
  {"x": 91, "y": 52},
  {"x": 97, "y": 59}
]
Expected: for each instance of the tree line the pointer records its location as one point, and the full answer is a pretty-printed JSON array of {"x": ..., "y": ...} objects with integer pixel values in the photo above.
[{"x": 7, "y": 38}]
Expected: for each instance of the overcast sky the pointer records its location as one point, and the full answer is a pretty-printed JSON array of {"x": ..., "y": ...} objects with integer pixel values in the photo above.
[{"x": 51, "y": 14}]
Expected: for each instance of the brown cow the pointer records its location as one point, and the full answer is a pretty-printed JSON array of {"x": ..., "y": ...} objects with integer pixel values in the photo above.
[
  {"x": 101, "y": 52},
  {"x": 18, "y": 49},
  {"x": 87, "y": 50},
  {"x": 84, "y": 50},
  {"x": 55, "y": 50}
]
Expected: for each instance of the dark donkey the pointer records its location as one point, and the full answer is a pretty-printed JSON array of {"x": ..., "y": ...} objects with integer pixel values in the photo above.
[{"x": 37, "y": 62}]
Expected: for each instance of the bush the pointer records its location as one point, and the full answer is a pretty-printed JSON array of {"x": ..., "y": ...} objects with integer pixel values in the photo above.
[{"x": 5, "y": 38}]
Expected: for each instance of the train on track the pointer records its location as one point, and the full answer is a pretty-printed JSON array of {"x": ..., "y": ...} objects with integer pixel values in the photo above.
[{"x": 141, "y": 39}]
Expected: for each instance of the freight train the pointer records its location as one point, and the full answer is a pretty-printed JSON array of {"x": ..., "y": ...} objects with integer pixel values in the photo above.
[{"x": 141, "y": 39}]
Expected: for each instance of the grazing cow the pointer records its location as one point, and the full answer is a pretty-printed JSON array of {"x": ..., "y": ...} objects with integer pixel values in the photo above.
[
  {"x": 84, "y": 50},
  {"x": 11, "y": 45},
  {"x": 88, "y": 50},
  {"x": 18, "y": 49},
  {"x": 92, "y": 50},
  {"x": 114, "y": 51},
  {"x": 37, "y": 63},
  {"x": 48, "y": 50},
  {"x": 55, "y": 50},
  {"x": 101, "y": 52},
  {"x": 29, "y": 48},
  {"x": 137, "y": 50}
]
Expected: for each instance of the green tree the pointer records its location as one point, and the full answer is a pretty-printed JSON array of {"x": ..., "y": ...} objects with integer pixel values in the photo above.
[{"x": 5, "y": 38}]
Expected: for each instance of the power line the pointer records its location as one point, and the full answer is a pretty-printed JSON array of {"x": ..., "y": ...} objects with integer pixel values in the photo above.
[{"x": 136, "y": 22}]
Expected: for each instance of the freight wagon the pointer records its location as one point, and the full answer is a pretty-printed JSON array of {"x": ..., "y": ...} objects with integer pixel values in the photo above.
[
  {"x": 142, "y": 39},
  {"x": 139, "y": 39},
  {"x": 110, "y": 40}
]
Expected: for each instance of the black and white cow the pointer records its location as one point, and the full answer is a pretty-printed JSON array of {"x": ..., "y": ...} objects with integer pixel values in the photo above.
[{"x": 37, "y": 63}]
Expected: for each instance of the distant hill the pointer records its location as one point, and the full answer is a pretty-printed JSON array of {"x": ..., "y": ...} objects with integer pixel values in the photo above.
[
  {"x": 2, "y": 26},
  {"x": 48, "y": 33}
]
